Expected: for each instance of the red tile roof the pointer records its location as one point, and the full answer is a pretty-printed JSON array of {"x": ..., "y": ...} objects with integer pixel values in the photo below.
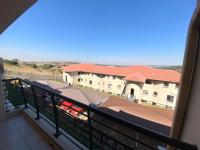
[
  {"x": 130, "y": 73},
  {"x": 138, "y": 77},
  {"x": 157, "y": 115}
]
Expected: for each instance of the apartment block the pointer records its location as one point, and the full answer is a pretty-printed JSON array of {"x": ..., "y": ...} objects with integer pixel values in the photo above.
[{"x": 142, "y": 84}]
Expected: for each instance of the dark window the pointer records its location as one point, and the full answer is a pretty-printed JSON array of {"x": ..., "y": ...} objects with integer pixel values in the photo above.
[
  {"x": 66, "y": 78},
  {"x": 153, "y": 103},
  {"x": 143, "y": 101},
  {"x": 168, "y": 107},
  {"x": 132, "y": 92},
  {"x": 79, "y": 79},
  {"x": 145, "y": 92},
  {"x": 170, "y": 98},
  {"x": 155, "y": 93},
  {"x": 90, "y": 81},
  {"x": 166, "y": 84},
  {"x": 101, "y": 75},
  {"x": 148, "y": 82}
]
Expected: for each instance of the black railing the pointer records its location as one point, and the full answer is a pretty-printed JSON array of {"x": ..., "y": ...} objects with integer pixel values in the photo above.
[{"x": 91, "y": 126}]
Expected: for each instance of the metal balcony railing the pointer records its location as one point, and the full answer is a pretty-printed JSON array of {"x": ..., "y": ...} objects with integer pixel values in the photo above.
[{"x": 92, "y": 127}]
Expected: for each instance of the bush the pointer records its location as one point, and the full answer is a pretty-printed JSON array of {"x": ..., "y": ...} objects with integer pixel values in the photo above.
[
  {"x": 12, "y": 62},
  {"x": 32, "y": 65},
  {"x": 47, "y": 66}
]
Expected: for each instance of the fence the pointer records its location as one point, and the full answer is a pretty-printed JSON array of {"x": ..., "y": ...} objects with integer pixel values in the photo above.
[{"x": 92, "y": 127}]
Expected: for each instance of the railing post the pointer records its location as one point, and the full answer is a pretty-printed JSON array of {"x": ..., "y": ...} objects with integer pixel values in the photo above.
[
  {"x": 55, "y": 109},
  {"x": 36, "y": 103},
  {"x": 23, "y": 94},
  {"x": 90, "y": 129},
  {"x": 137, "y": 138},
  {"x": 101, "y": 137}
]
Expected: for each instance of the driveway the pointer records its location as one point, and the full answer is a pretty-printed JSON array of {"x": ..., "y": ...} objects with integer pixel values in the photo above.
[{"x": 83, "y": 95}]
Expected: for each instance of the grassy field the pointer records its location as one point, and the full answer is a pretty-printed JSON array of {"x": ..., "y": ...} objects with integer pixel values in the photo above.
[
  {"x": 33, "y": 72},
  {"x": 176, "y": 68}
]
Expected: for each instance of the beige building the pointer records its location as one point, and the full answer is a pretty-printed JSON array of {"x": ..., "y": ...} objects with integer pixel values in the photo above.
[{"x": 142, "y": 84}]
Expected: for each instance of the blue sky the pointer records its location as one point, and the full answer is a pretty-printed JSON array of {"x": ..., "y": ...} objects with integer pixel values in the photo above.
[{"x": 101, "y": 31}]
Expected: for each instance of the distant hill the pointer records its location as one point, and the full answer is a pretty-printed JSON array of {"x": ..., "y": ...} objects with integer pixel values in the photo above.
[
  {"x": 33, "y": 70},
  {"x": 176, "y": 68}
]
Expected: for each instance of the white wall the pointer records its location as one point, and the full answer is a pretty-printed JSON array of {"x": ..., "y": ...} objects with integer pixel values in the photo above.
[
  {"x": 137, "y": 90},
  {"x": 69, "y": 77},
  {"x": 161, "y": 98},
  {"x": 101, "y": 83}
]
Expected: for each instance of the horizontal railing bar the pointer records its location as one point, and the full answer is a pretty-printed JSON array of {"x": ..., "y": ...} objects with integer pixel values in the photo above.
[
  {"x": 61, "y": 116},
  {"x": 63, "y": 113},
  {"x": 73, "y": 135},
  {"x": 71, "y": 122},
  {"x": 103, "y": 142},
  {"x": 106, "y": 135},
  {"x": 64, "y": 122},
  {"x": 42, "y": 116},
  {"x": 119, "y": 132},
  {"x": 74, "y": 110},
  {"x": 72, "y": 140}
]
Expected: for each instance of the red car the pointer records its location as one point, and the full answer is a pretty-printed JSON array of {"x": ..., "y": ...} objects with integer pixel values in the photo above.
[{"x": 71, "y": 108}]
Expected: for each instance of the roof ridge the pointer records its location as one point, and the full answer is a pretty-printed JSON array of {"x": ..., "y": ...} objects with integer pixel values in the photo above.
[{"x": 144, "y": 71}]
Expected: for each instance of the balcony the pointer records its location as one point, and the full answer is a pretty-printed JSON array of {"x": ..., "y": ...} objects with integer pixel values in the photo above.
[
  {"x": 18, "y": 132},
  {"x": 68, "y": 122}
]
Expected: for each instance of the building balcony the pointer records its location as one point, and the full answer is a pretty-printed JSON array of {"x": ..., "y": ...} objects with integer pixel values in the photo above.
[
  {"x": 18, "y": 132},
  {"x": 63, "y": 123}
]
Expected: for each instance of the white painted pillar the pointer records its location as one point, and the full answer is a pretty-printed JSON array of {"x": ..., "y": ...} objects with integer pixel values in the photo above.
[{"x": 3, "y": 113}]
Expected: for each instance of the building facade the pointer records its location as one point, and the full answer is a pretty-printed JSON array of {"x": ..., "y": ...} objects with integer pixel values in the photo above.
[{"x": 141, "y": 84}]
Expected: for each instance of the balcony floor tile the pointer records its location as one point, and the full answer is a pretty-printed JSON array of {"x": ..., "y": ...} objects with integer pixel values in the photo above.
[{"x": 17, "y": 133}]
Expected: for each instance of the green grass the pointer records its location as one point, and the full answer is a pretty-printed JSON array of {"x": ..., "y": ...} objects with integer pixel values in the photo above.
[{"x": 14, "y": 95}]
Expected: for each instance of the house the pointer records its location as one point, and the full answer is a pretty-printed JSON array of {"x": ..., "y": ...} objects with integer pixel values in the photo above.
[{"x": 142, "y": 84}]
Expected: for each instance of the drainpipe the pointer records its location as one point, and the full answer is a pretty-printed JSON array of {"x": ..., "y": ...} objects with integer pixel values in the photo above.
[
  {"x": 124, "y": 89},
  {"x": 2, "y": 97}
]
